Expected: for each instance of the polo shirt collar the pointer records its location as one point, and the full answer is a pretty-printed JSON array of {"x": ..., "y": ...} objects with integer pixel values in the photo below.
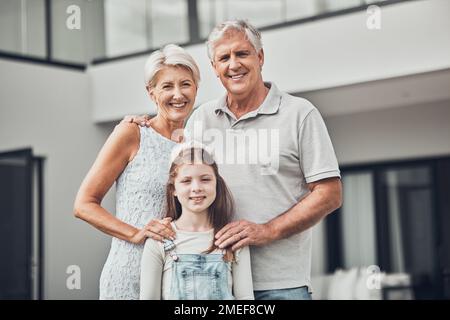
[{"x": 270, "y": 104}]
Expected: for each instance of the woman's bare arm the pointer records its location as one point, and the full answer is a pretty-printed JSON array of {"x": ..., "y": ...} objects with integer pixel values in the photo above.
[{"x": 120, "y": 148}]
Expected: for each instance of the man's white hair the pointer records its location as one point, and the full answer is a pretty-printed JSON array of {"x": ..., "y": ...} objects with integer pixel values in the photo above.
[
  {"x": 170, "y": 55},
  {"x": 251, "y": 33}
]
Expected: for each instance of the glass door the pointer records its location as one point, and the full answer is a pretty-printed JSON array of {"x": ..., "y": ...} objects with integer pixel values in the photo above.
[
  {"x": 410, "y": 214},
  {"x": 20, "y": 226},
  {"x": 396, "y": 216}
]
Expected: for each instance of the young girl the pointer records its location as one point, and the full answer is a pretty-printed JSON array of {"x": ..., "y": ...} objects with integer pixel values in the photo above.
[{"x": 192, "y": 267}]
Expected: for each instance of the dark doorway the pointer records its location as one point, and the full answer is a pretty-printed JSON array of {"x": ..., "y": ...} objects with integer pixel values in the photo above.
[
  {"x": 21, "y": 225},
  {"x": 396, "y": 215}
]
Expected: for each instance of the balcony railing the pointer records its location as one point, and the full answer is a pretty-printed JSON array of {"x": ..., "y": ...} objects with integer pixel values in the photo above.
[{"x": 80, "y": 32}]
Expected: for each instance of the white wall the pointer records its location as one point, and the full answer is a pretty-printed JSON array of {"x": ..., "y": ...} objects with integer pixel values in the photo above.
[
  {"x": 401, "y": 133},
  {"x": 338, "y": 51},
  {"x": 49, "y": 109},
  {"x": 390, "y": 93},
  {"x": 414, "y": 38}
]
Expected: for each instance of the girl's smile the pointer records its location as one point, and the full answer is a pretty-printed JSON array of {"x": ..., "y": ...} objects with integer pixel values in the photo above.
[{"x": 197, "y": 199}]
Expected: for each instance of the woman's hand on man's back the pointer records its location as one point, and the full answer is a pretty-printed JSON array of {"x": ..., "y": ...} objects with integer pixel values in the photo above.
[{"x": 143, "y": 120}]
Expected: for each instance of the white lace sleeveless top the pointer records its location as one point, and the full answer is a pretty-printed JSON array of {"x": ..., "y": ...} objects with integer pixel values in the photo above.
[{"x": 140, "y": 197}]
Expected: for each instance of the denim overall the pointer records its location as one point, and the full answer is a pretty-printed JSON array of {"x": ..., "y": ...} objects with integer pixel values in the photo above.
[{"x": 198, "y": 276}]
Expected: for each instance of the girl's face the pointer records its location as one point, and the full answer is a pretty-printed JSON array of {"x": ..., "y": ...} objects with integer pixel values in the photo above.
[
  {"x": 195, "y": 187},
  {"x": 174, "y": 93}
]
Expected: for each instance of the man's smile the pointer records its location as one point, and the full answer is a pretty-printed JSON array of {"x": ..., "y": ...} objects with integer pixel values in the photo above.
[{"x": 237, "y": 77}]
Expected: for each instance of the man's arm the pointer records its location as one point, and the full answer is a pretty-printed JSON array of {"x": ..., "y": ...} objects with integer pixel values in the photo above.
[{"x": 325, "y": 197}]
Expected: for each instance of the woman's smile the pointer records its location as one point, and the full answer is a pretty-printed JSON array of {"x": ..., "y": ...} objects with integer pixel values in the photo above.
[{"x": 178, "y": 105}]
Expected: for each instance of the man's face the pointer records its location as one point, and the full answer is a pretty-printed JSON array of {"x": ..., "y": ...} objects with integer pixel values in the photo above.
[{"x": 237, "y": 63}]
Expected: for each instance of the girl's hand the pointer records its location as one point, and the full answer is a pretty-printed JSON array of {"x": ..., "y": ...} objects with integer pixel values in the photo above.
[{"x": 155, "y": 229}]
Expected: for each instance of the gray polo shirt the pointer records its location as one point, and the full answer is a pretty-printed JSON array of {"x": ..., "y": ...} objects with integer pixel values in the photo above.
[{"x": 267, "y": 157}]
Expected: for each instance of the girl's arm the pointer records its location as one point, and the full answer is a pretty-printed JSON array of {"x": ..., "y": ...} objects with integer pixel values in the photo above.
[
  {"x": 242, "y": 276},
  {"x": 152, "y": 266},
  {"x": 120, "y": 148}
]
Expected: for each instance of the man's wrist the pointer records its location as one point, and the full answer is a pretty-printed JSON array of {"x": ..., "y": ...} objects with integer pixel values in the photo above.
[{"x": 271, "y": 231}]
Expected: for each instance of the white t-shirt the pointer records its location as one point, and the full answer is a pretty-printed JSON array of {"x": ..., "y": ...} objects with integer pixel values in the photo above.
[{"x": 156, "y": 266}]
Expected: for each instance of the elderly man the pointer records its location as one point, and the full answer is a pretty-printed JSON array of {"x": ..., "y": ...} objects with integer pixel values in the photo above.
[{"x": 275, "y": 154}]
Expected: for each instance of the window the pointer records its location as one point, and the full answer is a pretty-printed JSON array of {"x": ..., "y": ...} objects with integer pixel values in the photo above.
[{"x": 393, "y": 216}]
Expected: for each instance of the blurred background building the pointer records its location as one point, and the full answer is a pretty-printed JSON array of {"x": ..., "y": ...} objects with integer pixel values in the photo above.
[{"x": 71, "y": 69}]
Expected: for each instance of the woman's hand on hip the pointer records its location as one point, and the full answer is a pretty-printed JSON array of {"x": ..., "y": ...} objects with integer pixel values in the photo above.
[
  {"x": 143, "y": 121},
  {"x": 156, "y": 229}
]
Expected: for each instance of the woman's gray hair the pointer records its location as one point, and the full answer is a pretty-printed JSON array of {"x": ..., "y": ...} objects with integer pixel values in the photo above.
[
  {"x": 252, "y": 34},
  {"x": 170, "y": 55}
]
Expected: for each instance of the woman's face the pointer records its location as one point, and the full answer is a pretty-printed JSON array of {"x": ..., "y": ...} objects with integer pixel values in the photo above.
[
  {"x": 174, "y": 93},
  {"x": 195, "y": 187}
]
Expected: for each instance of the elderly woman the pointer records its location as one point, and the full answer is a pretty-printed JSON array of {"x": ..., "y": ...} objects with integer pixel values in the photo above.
[{"x": 137, "y": 159}]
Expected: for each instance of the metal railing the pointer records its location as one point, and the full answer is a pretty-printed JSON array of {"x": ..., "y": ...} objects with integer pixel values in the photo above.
[{"x": 76, "y": 33}]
